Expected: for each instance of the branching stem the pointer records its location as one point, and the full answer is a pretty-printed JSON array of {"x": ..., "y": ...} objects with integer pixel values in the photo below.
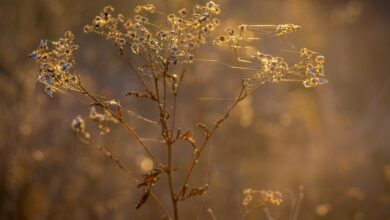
[
  {"x": 124, "y": 124},
  {"x": 242, "y": 95}
]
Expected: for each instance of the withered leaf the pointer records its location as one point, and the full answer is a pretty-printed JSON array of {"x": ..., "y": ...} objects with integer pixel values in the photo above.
[
  {"x": 188, "y": 136},
  {"x": 143, "y": 199},
  {"x": 204, "y": 128},
  {"x": 196, "y": 191},
  {"x": 150, "y": 178},
  {"x": 139, "y": 94}
]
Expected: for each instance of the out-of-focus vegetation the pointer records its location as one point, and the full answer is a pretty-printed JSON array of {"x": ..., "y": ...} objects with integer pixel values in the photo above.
[{"x": 332, "y": 140}]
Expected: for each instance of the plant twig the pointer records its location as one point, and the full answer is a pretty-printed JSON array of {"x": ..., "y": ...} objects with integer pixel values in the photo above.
[
  {"x": 122, "y": 167},
  {"x": 239, "y": 98},
  {"x": 120, "y": 119},
  {"x": 146, "y": 87}
]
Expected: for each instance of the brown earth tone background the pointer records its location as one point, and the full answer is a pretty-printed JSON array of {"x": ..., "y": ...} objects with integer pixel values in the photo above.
[{"x": 333, "y": 140}]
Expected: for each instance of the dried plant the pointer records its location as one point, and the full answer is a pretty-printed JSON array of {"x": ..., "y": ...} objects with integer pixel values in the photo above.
[
  {"x": 165, "y": 52},
  {"x": 261, "y": 199}
]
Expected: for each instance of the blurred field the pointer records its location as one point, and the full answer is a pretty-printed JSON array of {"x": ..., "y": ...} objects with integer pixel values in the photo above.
[{"x": 333, "y": 140}]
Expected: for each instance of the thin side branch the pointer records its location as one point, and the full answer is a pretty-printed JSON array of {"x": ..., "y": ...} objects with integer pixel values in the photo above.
[
  {"x": 242, "y": 95},
  {"x": 120, "y": 119}
]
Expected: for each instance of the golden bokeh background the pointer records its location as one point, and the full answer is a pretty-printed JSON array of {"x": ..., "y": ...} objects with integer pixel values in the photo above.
[{"x": 332, "y": 140}]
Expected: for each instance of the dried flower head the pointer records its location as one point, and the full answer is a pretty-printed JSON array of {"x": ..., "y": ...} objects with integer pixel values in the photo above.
[
  {"x": 309, "y": 70},
  {"x": 104, "y": 116},
  {"x": 78, "y": 125},
  {"x": 283, "y": 29},
  {"x": 170, "y": 45},
  {"x": 56, "y": 64},
  {"x": 261, "y": 198},
  {"x": 149, "y": 8}
]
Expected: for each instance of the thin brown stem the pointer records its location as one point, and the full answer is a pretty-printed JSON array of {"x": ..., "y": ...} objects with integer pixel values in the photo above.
[
  {"x": 175, "y": 94},
  {"x": 168, "y": 140},
  {"x": 165, "y": 89},
  {"x": 120, "y": 120},
  {"x": 239, "y": 98},
  {"x": 298, "y": 205},
  {"x": 122, "y": 167},
  {"x": 235, "y": 48},
  {"x": 119, "y": 164},
  {"x": 160, "y": 204},
  {"x": 170, "y": 183},
  {"x": 146, "y": 87},
  {"x": 174, "y": 112}
]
